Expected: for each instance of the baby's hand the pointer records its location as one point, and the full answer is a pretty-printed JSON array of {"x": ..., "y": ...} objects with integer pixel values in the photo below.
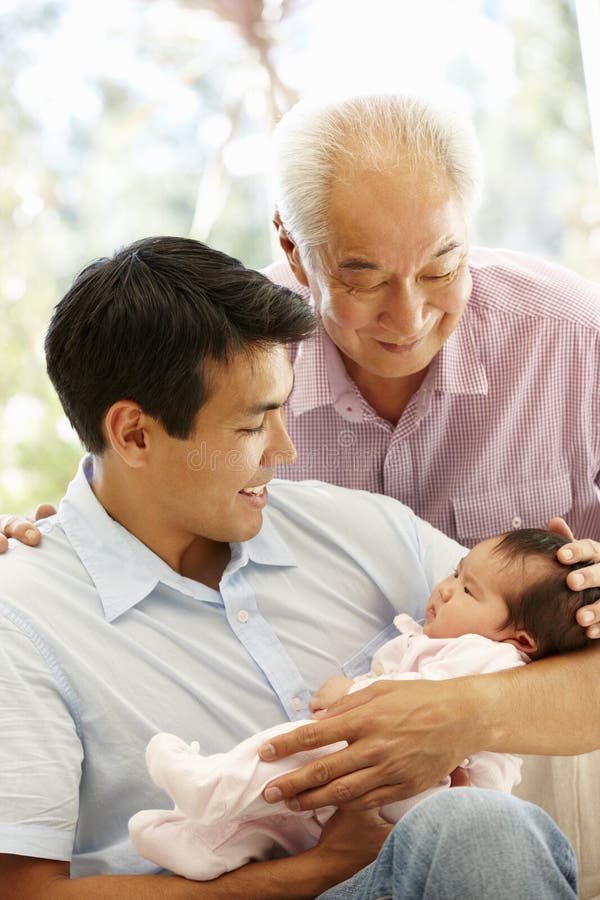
[{"x": 330, "y": 691}]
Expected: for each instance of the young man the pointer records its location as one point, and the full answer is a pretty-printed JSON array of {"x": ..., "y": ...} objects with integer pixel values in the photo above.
[{"x": 166, "y": 587}]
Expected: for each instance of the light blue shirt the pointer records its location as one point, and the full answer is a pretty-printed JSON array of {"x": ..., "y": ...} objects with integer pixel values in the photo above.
[{"x": 102, "y": 645}]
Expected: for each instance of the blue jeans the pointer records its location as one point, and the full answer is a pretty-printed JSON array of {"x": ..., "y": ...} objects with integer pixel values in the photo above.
[{"x": 468, "y": 844}]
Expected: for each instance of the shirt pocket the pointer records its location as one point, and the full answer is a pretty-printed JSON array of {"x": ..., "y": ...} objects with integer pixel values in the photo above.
[
  {"x": 520, "y": 505},
  {"x": 360, "y": 662}
]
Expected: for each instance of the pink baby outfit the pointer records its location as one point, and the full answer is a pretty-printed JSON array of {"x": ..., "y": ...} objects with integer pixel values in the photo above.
[{"x": 220, "y": 820}]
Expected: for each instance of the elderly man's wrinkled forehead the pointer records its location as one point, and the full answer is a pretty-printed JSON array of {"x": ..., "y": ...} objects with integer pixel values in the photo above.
[
  {"x": 403, "y": 172},
  {"x": 408, "y": 209}
]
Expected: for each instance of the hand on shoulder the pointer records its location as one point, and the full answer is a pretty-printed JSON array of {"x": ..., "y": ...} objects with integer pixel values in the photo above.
[{"x": 22, "y": 528}]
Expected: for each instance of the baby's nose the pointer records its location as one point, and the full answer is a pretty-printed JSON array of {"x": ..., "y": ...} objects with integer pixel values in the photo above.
[{"x": 445, "y": 592}]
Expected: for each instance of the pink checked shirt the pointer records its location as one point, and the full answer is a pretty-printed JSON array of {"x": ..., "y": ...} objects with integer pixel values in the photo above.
[{"x": 504, "y": 431}]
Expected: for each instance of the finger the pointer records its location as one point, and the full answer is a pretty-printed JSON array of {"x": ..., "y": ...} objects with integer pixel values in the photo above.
[
  {"x": 19, "y": 528},
  {"x": 579, "y": 551},
  {"x": 43, "y": 511},
  {"x": 313, "y": 775},
  {"x": 357, "y": 792},
  {"x": 358, "y": 698},
  {"x": 559, "y": 526},
  {"x": 586, "y": 577},
  {"x": 589, "y": 617},
  {"x": 382, "y": 796},
  {"x": 316, "y": 703},
  {"x": 3, "y": 544},
  {"x": 308, "y": 737}
]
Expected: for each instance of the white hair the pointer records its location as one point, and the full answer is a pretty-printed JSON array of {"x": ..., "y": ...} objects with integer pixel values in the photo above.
[{"x": 366, "y": 133}]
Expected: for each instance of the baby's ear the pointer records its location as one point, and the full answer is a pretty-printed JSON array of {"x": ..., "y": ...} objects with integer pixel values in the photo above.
[{"x": 523, "y": 641}]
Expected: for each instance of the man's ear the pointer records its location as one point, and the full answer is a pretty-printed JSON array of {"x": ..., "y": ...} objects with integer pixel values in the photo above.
[
  {"x": 125, "y": 429},
  {"x": 523, "y": 641},
  {"x": 290, "y": 248}
]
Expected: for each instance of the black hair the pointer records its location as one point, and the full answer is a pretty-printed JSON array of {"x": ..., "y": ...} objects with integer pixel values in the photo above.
[
  {"x": 546, "y": 607},
  {"x": 138, "y": 326}
]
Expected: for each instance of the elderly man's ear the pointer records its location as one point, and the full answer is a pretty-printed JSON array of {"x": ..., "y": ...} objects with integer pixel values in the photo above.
[{"x": 290, "y": 248}]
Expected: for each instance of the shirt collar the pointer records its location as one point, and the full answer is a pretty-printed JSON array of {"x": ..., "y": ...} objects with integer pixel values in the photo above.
[
  {"x": 123, "y": 569},
  {"x": 458, "y": 368},
  {"x": 318, "y": 356}
]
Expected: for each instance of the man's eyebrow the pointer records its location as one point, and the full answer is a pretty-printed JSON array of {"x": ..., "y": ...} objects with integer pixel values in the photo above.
[
  {"x": 447, "y": 248},
  {"x": 269, "y": 404},
  {"x": 262, "y": 408},
  {"x": 357, "y": 264}
]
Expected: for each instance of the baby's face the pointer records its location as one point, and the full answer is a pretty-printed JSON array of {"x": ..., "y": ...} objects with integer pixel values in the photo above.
[{"x": 469, "y": 600}]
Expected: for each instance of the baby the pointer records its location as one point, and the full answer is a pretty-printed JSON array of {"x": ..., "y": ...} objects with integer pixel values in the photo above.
[{"x": 505, "y": 604}]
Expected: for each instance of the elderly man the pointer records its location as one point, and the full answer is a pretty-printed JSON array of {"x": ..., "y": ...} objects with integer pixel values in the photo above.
[{"x": 463, "y": 382}]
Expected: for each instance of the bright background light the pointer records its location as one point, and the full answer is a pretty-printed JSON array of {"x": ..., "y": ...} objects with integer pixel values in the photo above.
[{"x": 133, "y": 117}]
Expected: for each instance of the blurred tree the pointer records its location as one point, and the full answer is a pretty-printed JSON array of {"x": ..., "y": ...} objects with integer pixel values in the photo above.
[
  {"x": 542, "y": 191},
  {"x": 140, "y": 118},
  {"x": 136, "y": 117}
]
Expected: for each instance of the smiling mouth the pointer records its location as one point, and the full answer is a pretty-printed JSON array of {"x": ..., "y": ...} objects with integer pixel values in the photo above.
[
  {"x": 398, "y": 348},
  {"x": 255, "y": 491},
  {"x": 255, "y": 496}
]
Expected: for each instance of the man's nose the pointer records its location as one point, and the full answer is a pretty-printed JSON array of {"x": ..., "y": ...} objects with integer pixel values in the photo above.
[
  {"x": 281, "y": 449},
  {"x": 403, "y": 312}
]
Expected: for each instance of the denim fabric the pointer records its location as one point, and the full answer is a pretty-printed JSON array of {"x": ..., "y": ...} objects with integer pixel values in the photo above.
[{"x": 468, "y": 844}]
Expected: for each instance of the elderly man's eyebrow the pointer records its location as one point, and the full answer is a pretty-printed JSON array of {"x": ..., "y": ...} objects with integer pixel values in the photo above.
[
  {"x": 447, "y": 248},
  {"x": 357, "y": 264}
]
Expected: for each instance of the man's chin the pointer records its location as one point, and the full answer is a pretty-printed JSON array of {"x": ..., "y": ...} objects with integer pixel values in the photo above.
[{"x": 249, "y": 530}]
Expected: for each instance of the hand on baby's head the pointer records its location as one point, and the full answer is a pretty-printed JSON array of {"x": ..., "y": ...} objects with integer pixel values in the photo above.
[{"x": 330, "y": 692}]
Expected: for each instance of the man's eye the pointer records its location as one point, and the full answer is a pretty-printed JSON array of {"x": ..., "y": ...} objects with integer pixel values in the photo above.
[
  {"x": 438, "y": 277},
  {"x": 365, "y": 289},
  {"x": 256, "y": 430}
]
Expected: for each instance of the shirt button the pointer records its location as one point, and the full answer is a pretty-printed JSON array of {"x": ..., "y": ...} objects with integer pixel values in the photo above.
[
  {"x": 516, "y": 521},
  {"x": 297, "y": 703},
  {"x": 378, "y": 669},
  {"x": 243, "y": 616},
  {"x": 345, "y": 403}
]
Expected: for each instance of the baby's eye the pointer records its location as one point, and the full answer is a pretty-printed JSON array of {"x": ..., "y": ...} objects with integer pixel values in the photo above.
[
  {"x": 466, "y": 590},
  {"x": 455, "y": 573}
]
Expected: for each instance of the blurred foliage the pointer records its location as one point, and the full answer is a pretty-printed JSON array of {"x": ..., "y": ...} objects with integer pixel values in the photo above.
[
  {"x": 539, "y": 158},
  {"x": 137, "y": 117}
]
